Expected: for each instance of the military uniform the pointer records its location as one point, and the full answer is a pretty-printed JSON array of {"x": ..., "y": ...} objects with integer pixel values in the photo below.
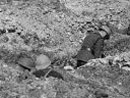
[
  {"x": 128, "y": 31},
  {"x": 48, "y": 72},
  {"x": 91, "y": 48}
]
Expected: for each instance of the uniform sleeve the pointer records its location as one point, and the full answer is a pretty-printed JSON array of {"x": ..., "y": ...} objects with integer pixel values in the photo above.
[{"x": 98, "y": 48}]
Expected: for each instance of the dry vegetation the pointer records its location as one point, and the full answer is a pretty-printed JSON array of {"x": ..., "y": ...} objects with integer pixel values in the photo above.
[{"x": 57, "y": 28}]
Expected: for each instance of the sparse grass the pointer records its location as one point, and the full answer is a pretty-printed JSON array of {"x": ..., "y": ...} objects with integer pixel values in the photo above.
[{"x": 57, "y": 28}]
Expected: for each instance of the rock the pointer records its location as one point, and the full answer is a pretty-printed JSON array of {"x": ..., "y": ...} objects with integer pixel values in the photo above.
[
  {"x": 126, "y": 68},
  {"x": 43, "y": 96},
  {"x": 42, "y": 62},
  {"x": 103, "y": 61},
  {"x": 116, "y": 59},
  {"x": 68, "y": 68},
  {"x": 5, "y": 65},
  {"x": 76, "y": 75},
  {"x": 90, "y": 63}
]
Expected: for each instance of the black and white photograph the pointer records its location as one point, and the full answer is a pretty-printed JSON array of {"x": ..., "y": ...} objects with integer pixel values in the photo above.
[{"x": 64, "y": 48}]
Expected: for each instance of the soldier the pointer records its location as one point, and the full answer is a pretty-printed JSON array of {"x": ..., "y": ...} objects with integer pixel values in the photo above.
[{"x": 93, "y": 44}]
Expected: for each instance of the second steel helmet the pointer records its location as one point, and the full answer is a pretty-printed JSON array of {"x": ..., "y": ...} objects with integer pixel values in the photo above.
[{"x": 42, "y": 62}]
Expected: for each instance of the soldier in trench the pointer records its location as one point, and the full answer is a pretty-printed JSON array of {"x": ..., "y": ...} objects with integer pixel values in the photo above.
[
  {"x": 92, "y": 46},
  {"x": 41, "y": 67}
]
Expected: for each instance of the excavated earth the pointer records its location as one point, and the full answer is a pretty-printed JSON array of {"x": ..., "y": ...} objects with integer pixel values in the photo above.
[{"x": 57, "y": 28}]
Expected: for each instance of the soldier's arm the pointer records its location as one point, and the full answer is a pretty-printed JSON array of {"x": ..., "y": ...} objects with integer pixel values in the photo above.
[{"x": 98, "y": 48}]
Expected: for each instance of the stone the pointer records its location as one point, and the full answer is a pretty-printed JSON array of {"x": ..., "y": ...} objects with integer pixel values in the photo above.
[
  {"x": 43, "y": 96},
  {"x": 103, "y": 61},
  {"x": 68, "y": 68}
]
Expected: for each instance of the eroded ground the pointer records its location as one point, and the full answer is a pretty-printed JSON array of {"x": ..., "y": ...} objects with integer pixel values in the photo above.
[{"x": 57, "y": 28}]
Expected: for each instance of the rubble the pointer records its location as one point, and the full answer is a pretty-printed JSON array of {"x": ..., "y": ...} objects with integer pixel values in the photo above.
[
  {"x": 57, "y": 28},
  {"x": 97, "y": 74},
  {"x": 40, "y": 25}
]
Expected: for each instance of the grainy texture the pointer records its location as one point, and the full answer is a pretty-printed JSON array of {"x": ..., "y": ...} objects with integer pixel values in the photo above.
[{"x": 57, "y": 28}]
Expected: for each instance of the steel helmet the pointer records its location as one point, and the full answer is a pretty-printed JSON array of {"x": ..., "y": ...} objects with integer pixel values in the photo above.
[
  {"x": 26, "y": 63},
  {"x": 42, "y": 62}
]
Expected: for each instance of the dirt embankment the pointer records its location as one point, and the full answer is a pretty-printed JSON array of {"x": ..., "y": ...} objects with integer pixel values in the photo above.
[
  {"x": 57, "y": 28},
  {"x": 54, "y": 27}
]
